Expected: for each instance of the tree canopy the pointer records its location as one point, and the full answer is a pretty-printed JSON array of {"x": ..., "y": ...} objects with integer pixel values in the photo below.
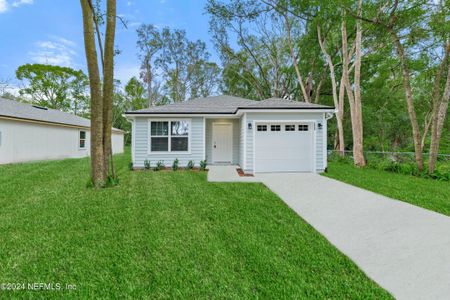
[{"x": 56, "y": 87}]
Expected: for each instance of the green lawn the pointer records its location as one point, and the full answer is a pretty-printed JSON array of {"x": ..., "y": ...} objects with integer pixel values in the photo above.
[
  {"x": 427, "y": 193},
  {"x": 162, "y": 235}
]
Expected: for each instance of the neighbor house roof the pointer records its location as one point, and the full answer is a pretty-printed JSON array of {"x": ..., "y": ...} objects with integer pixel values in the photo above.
[
  {"x": 225, "y": 105},
  {"x": 23, "y": 111}
]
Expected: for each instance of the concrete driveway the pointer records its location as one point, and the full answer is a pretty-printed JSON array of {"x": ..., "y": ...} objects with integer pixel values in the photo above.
[{"x": 404, "y": 248}]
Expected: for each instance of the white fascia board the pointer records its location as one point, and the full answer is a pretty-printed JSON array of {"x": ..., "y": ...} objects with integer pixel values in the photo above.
[
  {"x": 295, "y": 110},
  {"x": 238, "y": 113},
  {"x": 207, "y": 116}
]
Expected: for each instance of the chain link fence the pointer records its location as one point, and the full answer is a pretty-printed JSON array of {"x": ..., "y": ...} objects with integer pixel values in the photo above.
[
  {"x": 397, "y": 162},
  {"x": 400, "y": 157}
]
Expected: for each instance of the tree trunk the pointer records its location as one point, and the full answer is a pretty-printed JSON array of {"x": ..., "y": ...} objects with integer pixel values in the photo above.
[
  {"x": 358, "y": 145},
  {"x": 440, "y": 106},
  {"x": 340, "y": 117},
  {"x": 149, "y": 82},
  {"x": 337, "y": 101},
  {"x": 354, "y": 95},
  {"x": 409, "y": 99},
  {"x": 98, "y": 168},
  {"x": 318, "y": 88},
  {"x": 108, "y": 82}
]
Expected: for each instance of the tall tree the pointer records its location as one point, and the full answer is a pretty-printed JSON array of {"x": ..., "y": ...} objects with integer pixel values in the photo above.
[
  {"x": 440, "y": 25},
  {"x": 101, "y": 94},
  {"x": 405, "y": 23},
  {"x": 291, "y": 70},
  {"x": 149, "y": 43},
  {"x": 338, "y": 95},
  {"x": 185, "y": 66},
  {"x": 354, "y": 90},
  {"x": 283, "y": 9},
  {"x": 135, "y": 93},
  {"x": 56, "y": 87}
]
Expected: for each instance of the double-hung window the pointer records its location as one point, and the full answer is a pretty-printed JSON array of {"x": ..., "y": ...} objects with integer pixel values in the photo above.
[
  {"x": 82, "y": 140},
  {"x": 169, "y": 136}
]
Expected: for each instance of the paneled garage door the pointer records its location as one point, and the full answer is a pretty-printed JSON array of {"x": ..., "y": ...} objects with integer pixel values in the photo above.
[{"x": 284, "y": 147}]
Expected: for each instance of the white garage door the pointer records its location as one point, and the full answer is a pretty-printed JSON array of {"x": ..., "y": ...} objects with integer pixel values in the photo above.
[{"x": 284, "y": 147}]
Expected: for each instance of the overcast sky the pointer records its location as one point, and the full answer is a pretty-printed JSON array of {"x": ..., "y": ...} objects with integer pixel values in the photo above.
[{"x": 50, "y": 31}]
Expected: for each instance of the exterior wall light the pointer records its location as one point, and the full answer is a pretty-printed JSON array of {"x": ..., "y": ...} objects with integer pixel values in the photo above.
[
  {"x": 249, "y": 125},
  {"x": 319, "y": 126}
]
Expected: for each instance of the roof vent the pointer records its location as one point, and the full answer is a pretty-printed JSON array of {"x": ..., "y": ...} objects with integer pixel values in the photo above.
[{"x": 40, "y": 107}]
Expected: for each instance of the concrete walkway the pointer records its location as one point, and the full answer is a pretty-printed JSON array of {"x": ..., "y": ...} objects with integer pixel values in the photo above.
[
  {"x": 404, "y": 248},
  {"x": 227, "y": 174}
]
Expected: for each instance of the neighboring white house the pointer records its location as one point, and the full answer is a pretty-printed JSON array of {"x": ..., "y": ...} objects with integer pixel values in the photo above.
[
  {"x": 30, "y": 133},
  {"x": 273, "y": 135}
]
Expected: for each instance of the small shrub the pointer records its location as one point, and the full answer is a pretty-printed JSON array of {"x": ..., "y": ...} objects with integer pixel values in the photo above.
[
  {"x": 159, "y": 166},
  {"x": 190, "y": 165},
  {"x": 147, "y": 164},
  {"x": 175, "y": 164},
  {"x": 130, "y": 166},
  {"x": 438, "y": 175},
  {"x": 336, "y": 157},
  {"x": 409, "y": 169},
  {"x": 393, "y": 167},
  {"x": 203, "y": 165}
]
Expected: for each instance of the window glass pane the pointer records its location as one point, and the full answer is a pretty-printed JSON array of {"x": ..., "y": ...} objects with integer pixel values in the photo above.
[
  {"x": 290, "y": 127},
  {"x": 159, "y": 144},
  {"x": 82, "y": 143},
  {"x": 262, "y": 127},
  {"x": 275, "y": 127},
  {"x": 83, "y": 135},
  {"x": 179, "y": 144},
  {"x": 160, "y": 128},
  {"x": 180, "y": 128},
  {"x": 303, "y": 127}
]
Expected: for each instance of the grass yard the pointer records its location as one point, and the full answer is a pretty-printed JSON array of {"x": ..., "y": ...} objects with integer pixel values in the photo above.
[
  {"x": 427, "y": 193},
  {"x": 162, "y": 235}
]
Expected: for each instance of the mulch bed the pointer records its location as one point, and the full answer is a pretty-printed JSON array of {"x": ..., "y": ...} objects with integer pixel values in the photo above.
[{"x": 242, "y": 174}]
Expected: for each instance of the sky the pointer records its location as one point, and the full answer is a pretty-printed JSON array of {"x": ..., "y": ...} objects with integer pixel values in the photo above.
[{"x": 50, "y": 32}]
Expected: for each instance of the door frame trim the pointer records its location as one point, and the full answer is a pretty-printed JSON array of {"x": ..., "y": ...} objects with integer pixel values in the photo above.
[
  {"x": 212, "y": 141},
  {"x": 314, "y": 141}
]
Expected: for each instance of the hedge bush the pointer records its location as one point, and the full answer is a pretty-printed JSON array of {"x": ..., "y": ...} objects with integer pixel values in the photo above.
[{"x": 398, "y": 164}]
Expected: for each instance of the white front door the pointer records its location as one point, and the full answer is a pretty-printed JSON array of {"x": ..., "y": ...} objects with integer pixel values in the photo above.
[{"x": 222, "y": 147}]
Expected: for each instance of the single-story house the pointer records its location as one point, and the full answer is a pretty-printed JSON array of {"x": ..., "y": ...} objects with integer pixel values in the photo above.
[
  {"x": 273, "y": 135},
  {"x": 29, "y": 132}
]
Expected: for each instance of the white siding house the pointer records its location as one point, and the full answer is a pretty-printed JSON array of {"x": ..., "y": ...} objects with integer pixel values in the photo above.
[
  {"x": 29, "y": 133},
  {"x": 272, "y": 135}
]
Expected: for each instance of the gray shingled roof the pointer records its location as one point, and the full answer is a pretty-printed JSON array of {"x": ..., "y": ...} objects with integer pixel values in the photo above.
[
  {"x": 283, "y": 103},
  {"x": 225, "y": 105},
  {"x": 14, "y": 109}
]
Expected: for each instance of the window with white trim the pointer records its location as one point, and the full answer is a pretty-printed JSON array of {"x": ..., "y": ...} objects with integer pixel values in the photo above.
[
  {"x": 289, "y": 127},
  {"x": 169, "y": 136},
  {"x": 302, "y": 127},
  {"x": 262, "y": 128},
  {"x": 82, "y": 140},
  {"x": 275, "y": 127}
]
